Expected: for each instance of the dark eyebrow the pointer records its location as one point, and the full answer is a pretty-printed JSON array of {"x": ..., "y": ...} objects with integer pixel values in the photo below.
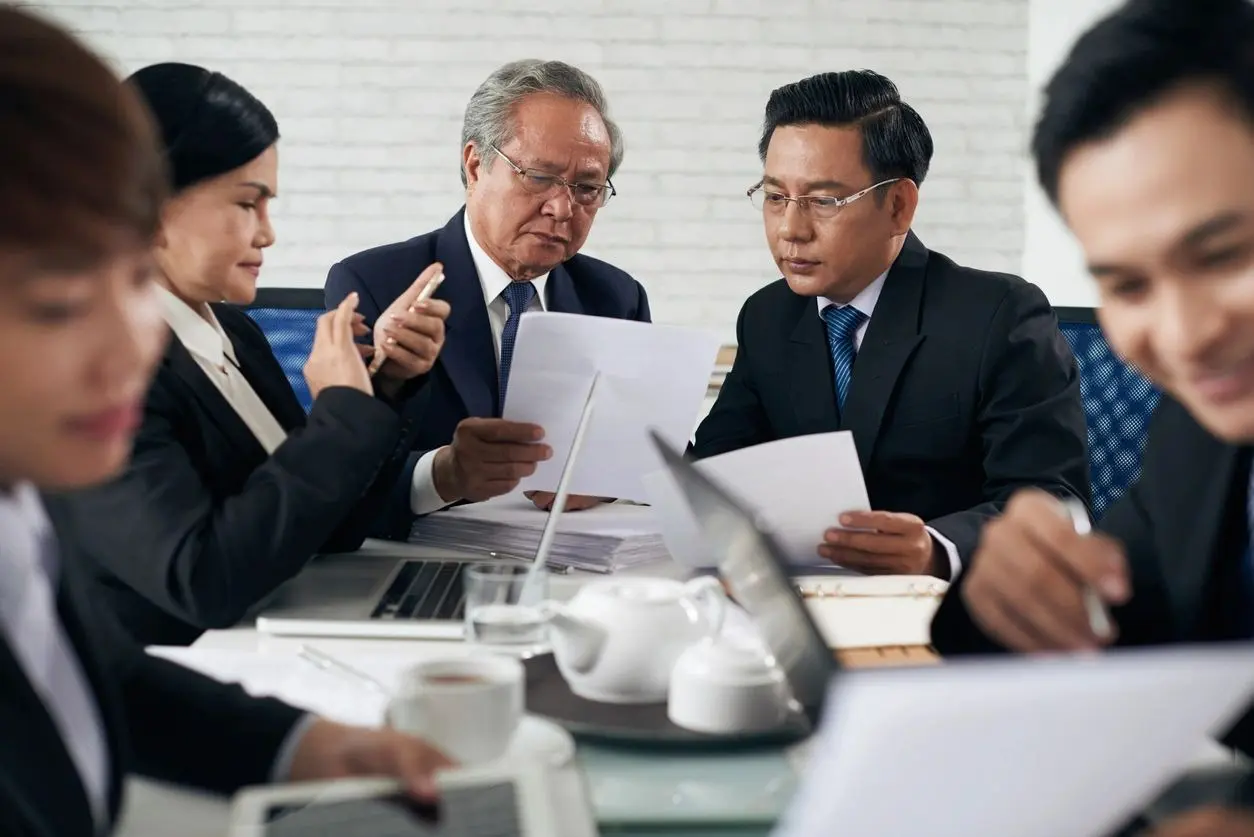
[
  {"x": 263, "y": 190},
  {"x": 1195, "y": 237},
  {"x": 1215, "y": 226},
  {"x": 809, "y": 187}
]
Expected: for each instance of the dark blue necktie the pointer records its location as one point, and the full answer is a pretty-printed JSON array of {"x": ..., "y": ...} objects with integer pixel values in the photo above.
[
  {"x": 518, "y": 296},
  {"x": 842, "y": 325}
]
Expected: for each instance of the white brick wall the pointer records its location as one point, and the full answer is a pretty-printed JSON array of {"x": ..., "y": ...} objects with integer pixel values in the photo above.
[{"x": 369, "y": 96}]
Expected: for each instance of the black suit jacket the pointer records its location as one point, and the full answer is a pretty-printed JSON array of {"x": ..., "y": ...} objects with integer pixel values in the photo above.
[
  {"x": 1184, "y": 526},
  {"x": 161, "y": 720},
  {"x": 463, "y": 383},
  {"x": 963, "y": 390},
  {"x": 202, "y": 525}
]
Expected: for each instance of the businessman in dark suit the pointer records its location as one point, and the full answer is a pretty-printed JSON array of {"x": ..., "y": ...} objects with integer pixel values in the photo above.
[
  {"x": 538, "y": 153},
  {"x": 956, "y": 383},
  {"x": 1169, "y": 237}
]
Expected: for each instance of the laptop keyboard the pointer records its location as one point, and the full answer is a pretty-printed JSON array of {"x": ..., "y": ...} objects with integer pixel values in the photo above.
[
  {"x": 478, "y": 811},
  {"x": 424, "y": 590}
]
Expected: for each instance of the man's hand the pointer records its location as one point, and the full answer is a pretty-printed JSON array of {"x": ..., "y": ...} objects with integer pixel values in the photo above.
[
  {"x": 1025, "y": 587},
  {"x": 898, "y": 544},
  {"x": 335, "y": 751},
  {"x": 409, "y": 335},
  {"x": 574, "y": 502},
  {"x": 487, "y": 458},
  {"x": 1208, "y": 822}
]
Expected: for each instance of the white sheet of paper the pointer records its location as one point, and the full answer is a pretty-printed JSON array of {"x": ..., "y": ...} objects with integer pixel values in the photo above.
[
  {"x": 1029, "y": 747},
  {"x": 798, "y": 486},
  {"x": 652, "y": 376},
  {"x": 288, "y": 677}
]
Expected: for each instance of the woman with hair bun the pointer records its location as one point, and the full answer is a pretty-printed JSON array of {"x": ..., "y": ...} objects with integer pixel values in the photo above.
[{"x": 232, "y": 488}]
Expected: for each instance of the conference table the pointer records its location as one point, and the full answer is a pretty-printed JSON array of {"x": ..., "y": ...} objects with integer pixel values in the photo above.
[{"x": 154, "y": 809}]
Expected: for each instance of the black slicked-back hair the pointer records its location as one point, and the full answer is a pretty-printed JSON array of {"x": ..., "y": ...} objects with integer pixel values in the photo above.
[
  {"x": 895, "y": 140},
  {"x": 1129, "y": 60}
]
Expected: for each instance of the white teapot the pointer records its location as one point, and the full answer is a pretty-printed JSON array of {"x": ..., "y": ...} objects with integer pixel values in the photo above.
[{"x": 618, "y": 639}]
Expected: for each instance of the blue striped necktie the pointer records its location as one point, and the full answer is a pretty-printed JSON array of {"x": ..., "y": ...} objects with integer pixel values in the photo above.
[
  {"x": 518, "y": 296},
  {"x": 842, "y": 325}
]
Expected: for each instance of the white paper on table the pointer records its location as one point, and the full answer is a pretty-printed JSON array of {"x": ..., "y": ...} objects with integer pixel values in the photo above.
[
  {"x": 652, "y": 377},
  {"x": 1030, "y": 747},
  {"x": 798, "y": 487},
  {"x": 295, "y": 680}
]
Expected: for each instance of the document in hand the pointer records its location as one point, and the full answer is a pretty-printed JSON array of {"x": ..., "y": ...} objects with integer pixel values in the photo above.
[
  {"x": 798, "y": 486},
  {"x": 652, "y": 376},
  {"x": 1030, "y": 747}
]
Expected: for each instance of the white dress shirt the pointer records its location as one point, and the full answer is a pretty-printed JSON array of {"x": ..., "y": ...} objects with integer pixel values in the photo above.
[
  {"x": 493, "y": 280},
  {"x": 865, "y": 302},
  {"x": 30, "y": 624},
  {"x": 210, "y": 347}
]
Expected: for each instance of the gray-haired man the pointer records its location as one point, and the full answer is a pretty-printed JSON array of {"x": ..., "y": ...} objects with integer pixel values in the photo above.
[{"x": 538, "y": 154}]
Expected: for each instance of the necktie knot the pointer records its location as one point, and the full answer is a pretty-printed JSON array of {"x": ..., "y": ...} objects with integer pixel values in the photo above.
[
  {"x": 842, "y": 321},
  {"x": 518, "y": 296}
]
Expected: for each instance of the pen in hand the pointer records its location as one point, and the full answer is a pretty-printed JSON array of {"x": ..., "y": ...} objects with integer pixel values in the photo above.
[
  {"x": 428, "y": 290},
  {"x": 1099, "y": 619}
]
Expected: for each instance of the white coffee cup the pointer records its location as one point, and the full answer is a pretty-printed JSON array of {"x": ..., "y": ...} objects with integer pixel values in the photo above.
[
  {"x": 725, "y": 684},
  {"x": 468, "y": 707}
]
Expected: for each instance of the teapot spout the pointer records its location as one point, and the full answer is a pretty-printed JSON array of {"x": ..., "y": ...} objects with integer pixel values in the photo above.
[{"x": 577, "y": 642}]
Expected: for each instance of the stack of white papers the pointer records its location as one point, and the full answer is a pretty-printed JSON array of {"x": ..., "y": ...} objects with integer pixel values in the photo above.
[{"x": 609, "y": 537}]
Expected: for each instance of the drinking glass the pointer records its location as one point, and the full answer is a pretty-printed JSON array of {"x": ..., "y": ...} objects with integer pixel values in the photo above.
[{"x": 496, "y": 613}]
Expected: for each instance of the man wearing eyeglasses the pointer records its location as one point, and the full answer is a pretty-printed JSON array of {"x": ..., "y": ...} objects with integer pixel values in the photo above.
[
  {"x": 538, "y": 154},
  {"x": 956, "y": 383}
]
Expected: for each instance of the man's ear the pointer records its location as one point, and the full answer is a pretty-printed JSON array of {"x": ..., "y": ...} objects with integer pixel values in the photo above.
[
  {"x": 903, "y": 200},
  {"x": 472, "y": 165}
]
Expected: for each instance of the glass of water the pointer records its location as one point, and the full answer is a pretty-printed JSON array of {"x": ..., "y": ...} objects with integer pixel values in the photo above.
[{"x": 500, "y": 613}]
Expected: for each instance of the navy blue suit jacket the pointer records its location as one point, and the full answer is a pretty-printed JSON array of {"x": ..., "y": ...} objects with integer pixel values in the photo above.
[{"x": 463, "y": 382}]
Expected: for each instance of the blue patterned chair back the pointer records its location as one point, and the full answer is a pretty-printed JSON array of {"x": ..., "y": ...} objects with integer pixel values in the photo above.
[
  {"x": 1118, "y": 402},
  {"x": 291, "y": 333}
]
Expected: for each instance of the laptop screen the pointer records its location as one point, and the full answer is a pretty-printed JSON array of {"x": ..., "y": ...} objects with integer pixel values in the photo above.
[{"x": 755, "y": 570}]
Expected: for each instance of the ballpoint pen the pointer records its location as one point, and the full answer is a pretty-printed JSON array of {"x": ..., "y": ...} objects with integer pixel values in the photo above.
[
  {"x": 1099, "y": 619},
  {"x": 428, "y": 290},
  {"x": 326, "y": 662}
]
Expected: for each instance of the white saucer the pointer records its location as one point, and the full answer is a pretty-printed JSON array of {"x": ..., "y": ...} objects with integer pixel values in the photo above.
[{"x": 539, "y": 739}]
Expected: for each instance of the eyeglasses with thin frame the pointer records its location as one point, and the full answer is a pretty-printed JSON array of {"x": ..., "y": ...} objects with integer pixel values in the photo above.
[
  {"x": 817, "y": 206},
  {"x": 542, "y": 183}
]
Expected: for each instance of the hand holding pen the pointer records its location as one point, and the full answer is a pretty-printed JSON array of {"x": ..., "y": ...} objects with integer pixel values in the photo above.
[
  {"x": 1041, "y": 580},
  {"x": 408, "y": 335}
]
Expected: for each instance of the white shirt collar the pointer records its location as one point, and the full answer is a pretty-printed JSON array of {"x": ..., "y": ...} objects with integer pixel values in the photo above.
[
  {"x": 21, "y": 510},
  {"x": 492, "y": 278},
  {"x": 204, "y": 338},
  {"x": 864, "y": 301}
]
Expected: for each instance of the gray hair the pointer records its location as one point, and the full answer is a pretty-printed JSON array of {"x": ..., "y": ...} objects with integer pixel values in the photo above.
[{"x": 489, "y": 119}]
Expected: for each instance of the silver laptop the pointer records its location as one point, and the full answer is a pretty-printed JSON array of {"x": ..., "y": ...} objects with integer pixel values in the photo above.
[
  {"x": 399, "y": 591},
  {"x": 755, "y": 569}
]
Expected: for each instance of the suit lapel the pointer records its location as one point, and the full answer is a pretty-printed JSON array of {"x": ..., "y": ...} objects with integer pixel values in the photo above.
[
  {"x": 892, "y": 336},
  {"x": 41, "y": 785},
  {"x": 266, "y": 377},
  {"x": 811, "y": 380},
  {"x": 1188, "y": 574},
  {"x": 560, "y": 292},
  {"x": 469, "y": 355},
  {"x": 212, "y": 401},
  {"x": 69, "y": 610}
]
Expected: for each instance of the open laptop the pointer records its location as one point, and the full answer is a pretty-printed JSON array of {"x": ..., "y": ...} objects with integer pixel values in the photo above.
[
  {"x": 754, "y": 568},
  {"x": 379, "y": 592}
]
